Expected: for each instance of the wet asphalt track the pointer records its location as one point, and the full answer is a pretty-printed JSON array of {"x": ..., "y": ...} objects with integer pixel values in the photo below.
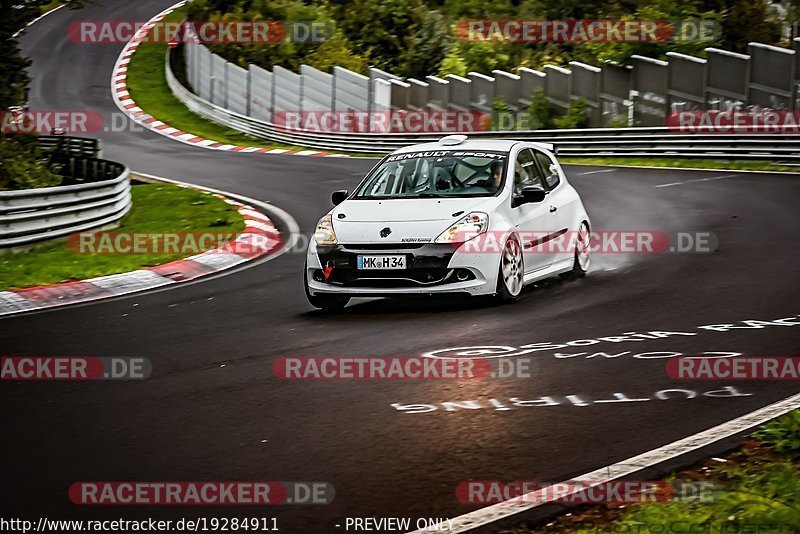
[{"x": 212, "y": 411}]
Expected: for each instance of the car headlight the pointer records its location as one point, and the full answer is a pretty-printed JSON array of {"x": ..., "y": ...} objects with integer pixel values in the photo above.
[
  {"x": 470, "y": 226},
  {"x": 324, "y": 234}
]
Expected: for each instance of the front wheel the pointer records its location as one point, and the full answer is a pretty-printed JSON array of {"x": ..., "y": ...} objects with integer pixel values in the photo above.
[
  {"x": 324, "y": 302},
  {"x": 512, "y": 271},
  {"x": 581, "y": 262}
]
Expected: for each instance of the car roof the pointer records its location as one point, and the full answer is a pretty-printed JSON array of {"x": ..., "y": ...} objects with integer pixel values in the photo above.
[{"x": 500, "y": 145}]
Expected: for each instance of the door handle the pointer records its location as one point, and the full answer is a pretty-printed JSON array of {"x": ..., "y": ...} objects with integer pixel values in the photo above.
[{"x": 552, "y": 209}]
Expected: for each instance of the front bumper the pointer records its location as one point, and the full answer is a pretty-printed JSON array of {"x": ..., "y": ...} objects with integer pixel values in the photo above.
[{"x": 430, "y": 268}]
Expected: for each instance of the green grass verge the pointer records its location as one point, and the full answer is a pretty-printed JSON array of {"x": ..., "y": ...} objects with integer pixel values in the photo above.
[
  {"x": 51, "y": 6},
  {"x": 758, "y": 490},
  {"x": 683, "y": 163},
  {"x": 156, "y": 208},
  {"x": 147, "y": 85}
]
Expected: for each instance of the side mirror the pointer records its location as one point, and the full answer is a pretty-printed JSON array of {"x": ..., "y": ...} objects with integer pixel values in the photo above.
[
  {"x": 532, "y": 194},
  {"x": 337, "y": 197}
]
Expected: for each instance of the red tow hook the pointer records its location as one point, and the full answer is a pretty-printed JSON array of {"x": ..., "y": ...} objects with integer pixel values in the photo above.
[{"x": 328, "y": 270}]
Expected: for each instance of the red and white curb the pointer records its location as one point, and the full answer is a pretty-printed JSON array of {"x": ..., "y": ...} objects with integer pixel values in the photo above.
[
  {"x": 119, "y": 91},
  {"x": 259, "y": 238}
]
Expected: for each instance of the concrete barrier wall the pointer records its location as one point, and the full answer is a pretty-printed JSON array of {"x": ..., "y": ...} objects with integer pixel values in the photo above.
[
  {"x": 557, "y": 86},
  {"x": 482, "y": 91},
  {"x": 531, "y": 80},
  {"x": 687, "y": 76},
  {"x": 586, "y": 85},
  {"x": 419, "y": 97},
  {"x": 615, "y": 88},
  {"x": 438, "y": 93},
  {"x": 727, "y": 74},
  {"x": 796, "y": 74},
  {"x": 351, "y": 90},
  {"x": 508, "y": 86},
  {"x": 317, "y": 89},
  {"x": 651, "y": 83},
  {"x": 771, "y": 76},
  {"x": 460, "y": 93},
  {"x": 768, "y": 77},
  {"x": 204, "y": 72},
  {"x": 238, "y": 88},
  {"x": 287, "y": 90},
  {"x": 260, "y": 93}
]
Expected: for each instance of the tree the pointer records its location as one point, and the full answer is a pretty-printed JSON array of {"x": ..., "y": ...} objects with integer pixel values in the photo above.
[
  {"x": 22, "y": 165},
  {"x": 747, "y": 22},
  {"x": 539, "y": 108},
  {"x": 14, "y": 78},
  {"x": 334, "y": 52},
  {"x": 427, "y": 44},
  {"x": 575, "y": 117}
]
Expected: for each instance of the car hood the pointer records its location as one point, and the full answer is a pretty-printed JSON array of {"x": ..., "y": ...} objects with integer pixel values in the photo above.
[{"x": 407, "y": 220}]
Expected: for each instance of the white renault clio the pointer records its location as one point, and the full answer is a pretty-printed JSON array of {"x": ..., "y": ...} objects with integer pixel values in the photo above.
[{"x": 470, "y": 216}]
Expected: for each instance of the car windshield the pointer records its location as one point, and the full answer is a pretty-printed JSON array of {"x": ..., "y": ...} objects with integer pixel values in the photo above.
[{"x": 435, "y": 174}]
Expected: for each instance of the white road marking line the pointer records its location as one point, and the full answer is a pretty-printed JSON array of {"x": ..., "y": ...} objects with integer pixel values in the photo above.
[
  {"x": 698, "y": 180},
  {"x": 597, "y": 172},
  {"x": 40, "y": 17},
  {"x": 627, "y": 467}
]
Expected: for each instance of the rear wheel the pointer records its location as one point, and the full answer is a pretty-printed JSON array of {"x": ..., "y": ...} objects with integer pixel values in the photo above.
[
  {"x": 324, "y": 302},
  {"x": 582, "y": 260},
  {"x": 510, "y": 278}
]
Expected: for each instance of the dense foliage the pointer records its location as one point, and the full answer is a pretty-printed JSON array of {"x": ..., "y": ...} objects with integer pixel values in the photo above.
[
  {"x": 22, "y": 165},
  {"x": 414, "y": 38}
]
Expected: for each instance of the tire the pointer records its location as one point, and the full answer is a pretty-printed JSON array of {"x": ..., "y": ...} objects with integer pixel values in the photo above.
[
  {"x": 324, "y": 302},
  {"x": 511, "y": 272},
  {"x": 582, "y": 259}
]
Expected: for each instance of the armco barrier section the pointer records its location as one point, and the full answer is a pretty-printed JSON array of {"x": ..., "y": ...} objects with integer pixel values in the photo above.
[
  {"x": 656, "y": 141},
  {"x": 99, "y": 195},
  {"x": 75, "y": 146}
]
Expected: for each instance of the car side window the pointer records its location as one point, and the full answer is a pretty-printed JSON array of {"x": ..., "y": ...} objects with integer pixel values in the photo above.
[
  {"x": 526, "y": 172},
  {"x": 551, "y": 179}
]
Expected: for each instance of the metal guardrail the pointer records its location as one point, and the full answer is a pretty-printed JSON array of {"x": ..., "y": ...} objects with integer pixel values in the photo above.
[
  {"x": 98, "y": 194},
  {"x": 76, "y": 146},
  {"x": 607, "y": 142}
]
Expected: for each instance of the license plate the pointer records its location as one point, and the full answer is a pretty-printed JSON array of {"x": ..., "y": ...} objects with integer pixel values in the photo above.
[{"x": 382, "y": 262}]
